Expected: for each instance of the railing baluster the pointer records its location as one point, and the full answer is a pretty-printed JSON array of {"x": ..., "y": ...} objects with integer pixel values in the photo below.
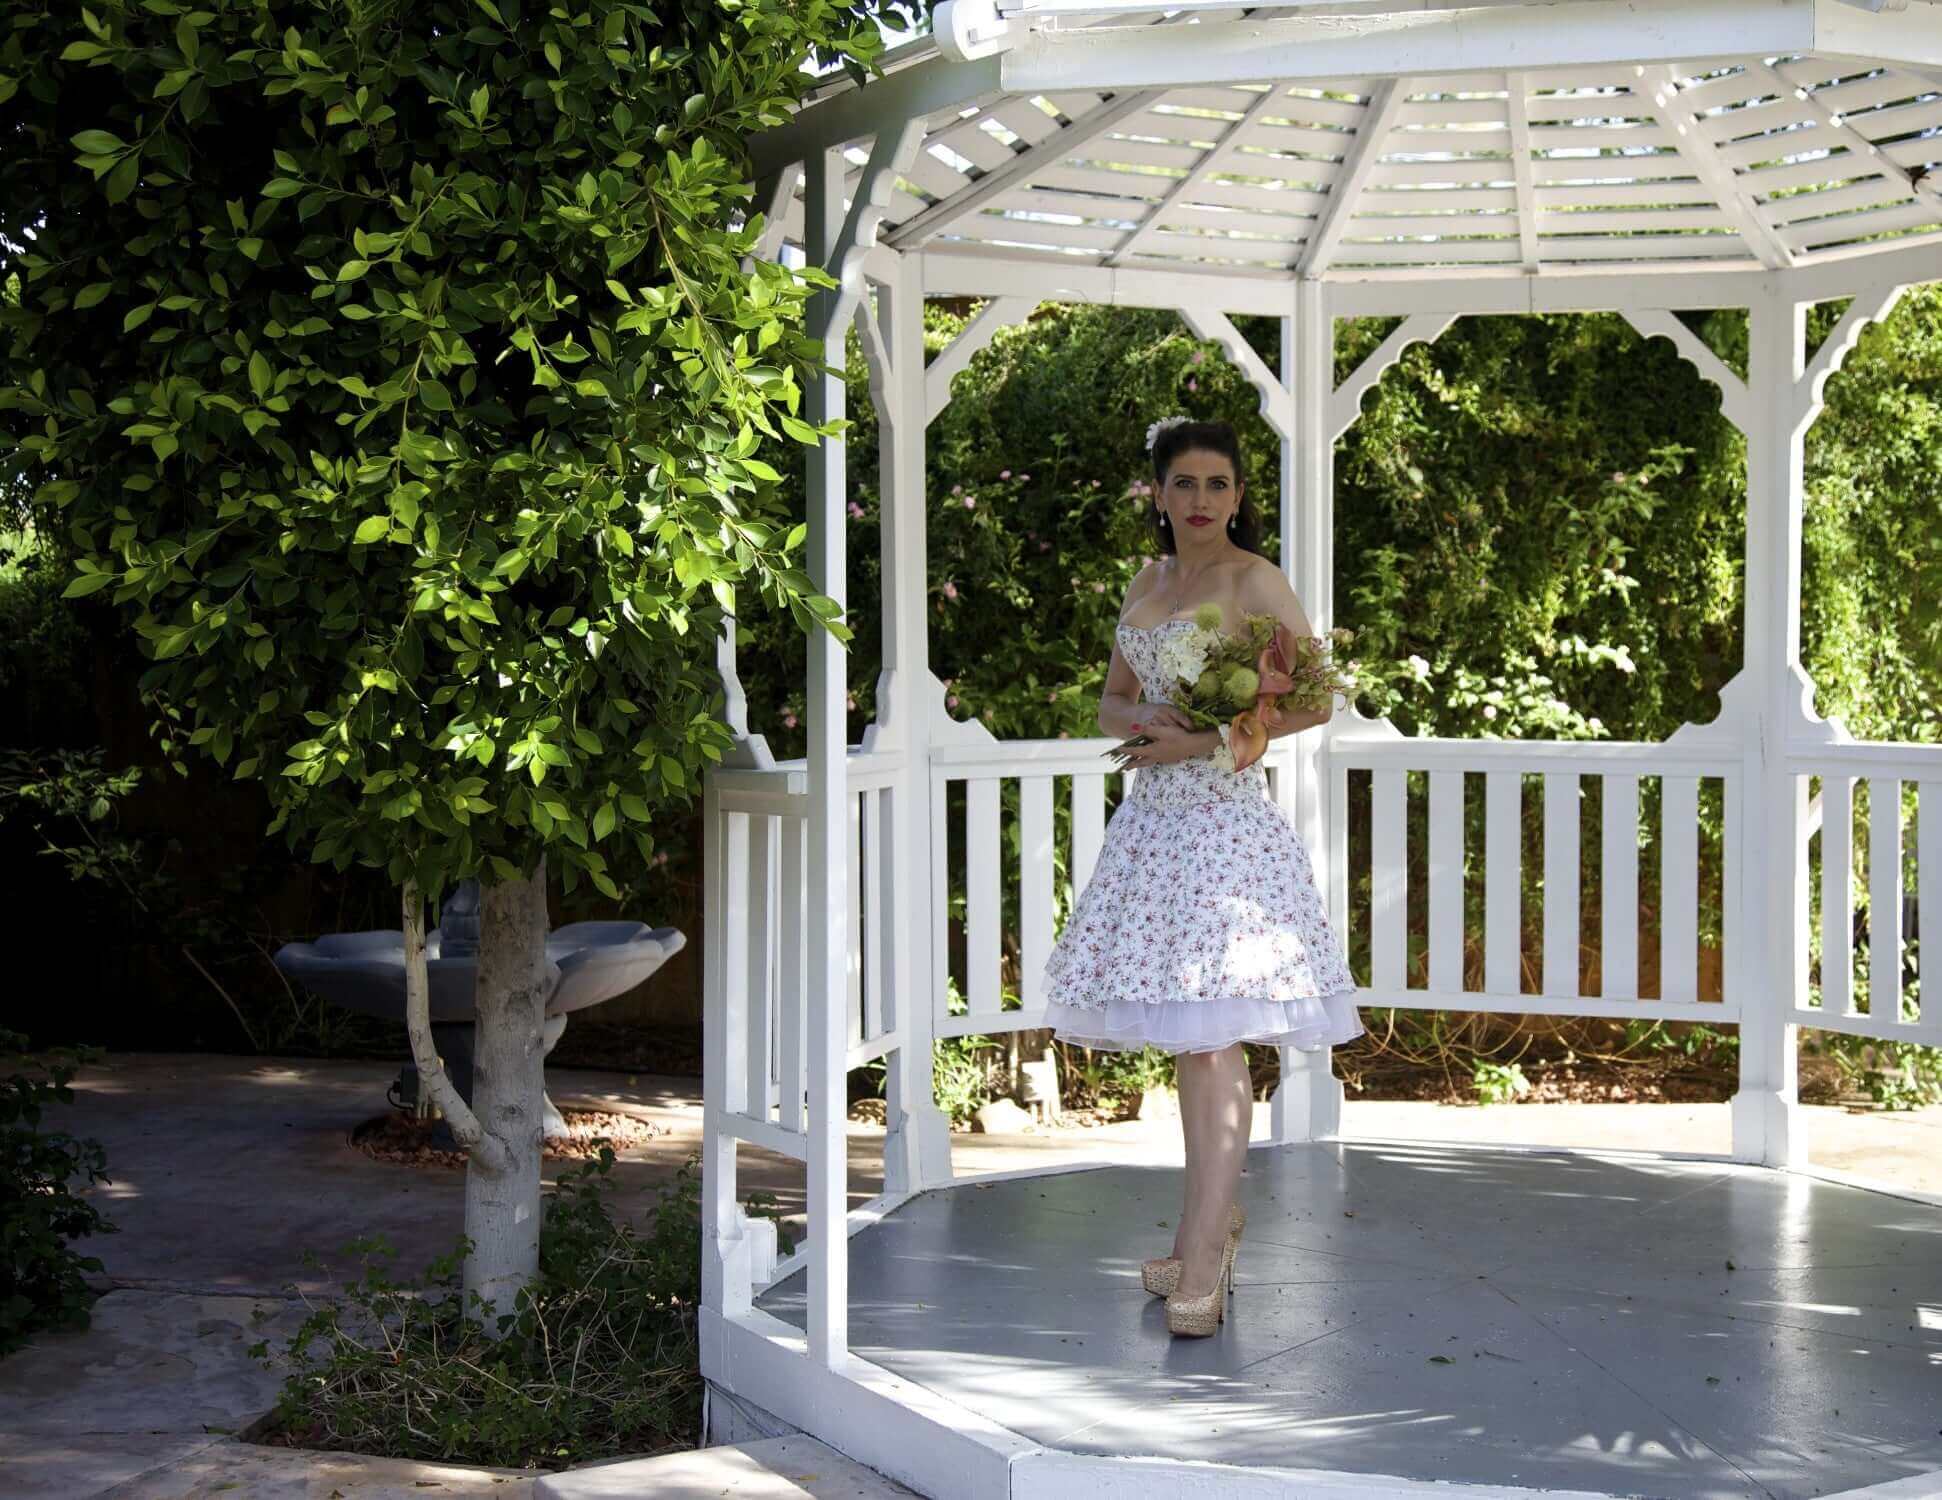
[
  {"x": 1388, "y": 881},
  {"x": 1446, "y": 881},
  {"x": 1885, "y": 898},
  {"x": 1928, "y": 890},
  {"x": 1561, "y": 893},
  {"x": 981, "y": 894},
  {"x": 736, "y": 977},
  {"x": 940, "y": 912},
  {"x": 1837, "y": 895},
  {"x": 794, "y": 951},
  {"x": 1503, "y": 889},
  {"x": 1088, "y": 825},
  {"x": 853, "y": 918},
  {"x": 760, "y": 882},
  {"x": 1619, "y": 889},
  {"x": 1679, "y": 888},
  {"x": 1034, "y": 883},
  {"x": 873, "y": 862}
]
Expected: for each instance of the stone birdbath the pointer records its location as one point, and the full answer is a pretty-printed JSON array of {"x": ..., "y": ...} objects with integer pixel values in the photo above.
[{"x": 365, "y": 971}]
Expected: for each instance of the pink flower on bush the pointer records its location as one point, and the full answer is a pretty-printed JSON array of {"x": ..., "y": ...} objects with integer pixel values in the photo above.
[
  {"x": 970, "y": 502},
  {"x": 1095, "y": 484},
  {"x": 952, "y": 701},
  {"x": 1004, "y": 473},
  {"x": 957, "y": 489},
  {"x": 856, "y": 510},
  {"x": 788, "y": 721},
  {"x": 1199, "y": 355},
  {"x": 1024, "y": 479},
  {"x": 1193, "y": 385},
  {"x": 1045, "y": 546},
  {"x": 1099, "y": 588},
  {"x": 950, "y": 589}
]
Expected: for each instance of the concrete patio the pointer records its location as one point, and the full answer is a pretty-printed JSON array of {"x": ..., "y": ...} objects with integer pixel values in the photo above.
[{"x": 226, "y": 1170}]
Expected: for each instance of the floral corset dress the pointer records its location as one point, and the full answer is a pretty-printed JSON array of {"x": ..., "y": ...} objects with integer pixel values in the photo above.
[{"x": 1202, "y": 924}]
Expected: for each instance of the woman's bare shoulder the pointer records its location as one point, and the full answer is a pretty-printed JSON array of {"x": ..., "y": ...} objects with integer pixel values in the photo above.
[{"x": 1141, "y": 585}]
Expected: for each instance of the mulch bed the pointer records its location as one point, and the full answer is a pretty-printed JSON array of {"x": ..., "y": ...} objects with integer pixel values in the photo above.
[{"x": 408, "y": 1141}]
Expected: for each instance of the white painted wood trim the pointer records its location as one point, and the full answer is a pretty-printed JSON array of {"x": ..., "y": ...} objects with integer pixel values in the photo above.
[
  {"x": 1518, "y": 111},
  {"x": 1277, "y": 402},
  {"x": 1868, "y": 307},
  {"x": 1345, "y": 401},
  {"x": 1658, "y": 323},
  {"x": 1000, "y": 312},
  {"x": 1346, "y": 186},
  {"x": 1658, "y": 90},
  {"x": 941, "y": 215},
  {"x": 909, "y": 93},
  {"x": 1482, "y": 40},
  {"x": 1208, "y": 165}
]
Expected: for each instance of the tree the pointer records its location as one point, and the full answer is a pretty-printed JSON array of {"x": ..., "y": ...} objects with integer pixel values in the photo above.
[{"x": 396, "y": 369}]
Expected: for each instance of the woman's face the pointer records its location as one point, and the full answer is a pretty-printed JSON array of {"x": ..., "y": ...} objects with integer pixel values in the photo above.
[{"x": 1201, "y": 494}]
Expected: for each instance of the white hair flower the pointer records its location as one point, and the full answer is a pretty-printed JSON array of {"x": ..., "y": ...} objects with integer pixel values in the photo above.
[{"x": 1153, "y": 432}]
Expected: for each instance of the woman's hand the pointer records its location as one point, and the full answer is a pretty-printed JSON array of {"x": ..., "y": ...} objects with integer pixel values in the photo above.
[{"x": 1170, "y": 737}]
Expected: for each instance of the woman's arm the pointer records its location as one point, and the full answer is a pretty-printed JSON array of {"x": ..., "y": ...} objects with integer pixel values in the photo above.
[
  {"x": 1269, "y": 592},
  {"x": 1122, "y": 714}
]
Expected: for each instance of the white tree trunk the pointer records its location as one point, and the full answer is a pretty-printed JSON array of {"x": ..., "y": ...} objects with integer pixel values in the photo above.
[{"x": 502, "y": 1186}]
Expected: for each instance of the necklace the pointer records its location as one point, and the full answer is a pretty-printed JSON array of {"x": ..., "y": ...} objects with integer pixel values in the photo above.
[{"x": 1181, "y": 592}]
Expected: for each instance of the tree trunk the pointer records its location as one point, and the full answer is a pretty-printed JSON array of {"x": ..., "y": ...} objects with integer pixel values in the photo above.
[{"x": 502, "y": 1188}]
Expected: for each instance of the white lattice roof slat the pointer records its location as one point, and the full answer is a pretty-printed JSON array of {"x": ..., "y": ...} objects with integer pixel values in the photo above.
[{"x": 1707, "y": 158}]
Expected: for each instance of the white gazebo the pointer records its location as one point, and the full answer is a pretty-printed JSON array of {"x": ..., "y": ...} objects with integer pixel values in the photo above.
[{"x": 1421, "y": 159}]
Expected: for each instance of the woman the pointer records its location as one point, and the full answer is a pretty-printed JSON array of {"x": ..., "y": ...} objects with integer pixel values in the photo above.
[{"x": 1202, "y": 927}]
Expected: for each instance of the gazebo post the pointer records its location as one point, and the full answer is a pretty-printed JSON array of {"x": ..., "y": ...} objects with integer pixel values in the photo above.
[
  {"x": 1307, "y": 1103},
  {"x": 917, "y": 1138},
  {"x": 1766, "y": 1109},
  {"x": 826, "y": 1157}
]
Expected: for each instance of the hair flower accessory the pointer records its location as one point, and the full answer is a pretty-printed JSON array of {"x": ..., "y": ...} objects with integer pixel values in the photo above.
[{"x": 1153, "y": 432}]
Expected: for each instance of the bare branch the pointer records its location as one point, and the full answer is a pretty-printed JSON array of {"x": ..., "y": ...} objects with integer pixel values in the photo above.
[{"x": 489, "y": 1153}]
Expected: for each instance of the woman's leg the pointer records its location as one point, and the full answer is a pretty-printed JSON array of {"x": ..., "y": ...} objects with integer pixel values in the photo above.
[
  {"x": 1187, "y": 1080},
  {"x": 1223, "y": 1107}
]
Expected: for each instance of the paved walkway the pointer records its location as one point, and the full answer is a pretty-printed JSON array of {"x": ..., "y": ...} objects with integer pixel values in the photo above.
[{"x": 227, "y": 1170}]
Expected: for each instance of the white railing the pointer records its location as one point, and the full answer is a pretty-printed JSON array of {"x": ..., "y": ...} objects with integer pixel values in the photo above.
[
  {"x": 1889, "y": 777},
  {"x": 758, "y": 942},
  {"x": 1557, "y": 771}
]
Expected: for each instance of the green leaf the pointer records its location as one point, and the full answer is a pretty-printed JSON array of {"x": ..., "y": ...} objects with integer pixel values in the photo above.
[
  {"x": 371, "y": 528},
  {"x": 352, "y": 269},
  {"x": 98, "y": 143},
  {"x": 259, "y": 375},
  {"x": 87, "y": 583},
  {"x": 92, "y": 293}
]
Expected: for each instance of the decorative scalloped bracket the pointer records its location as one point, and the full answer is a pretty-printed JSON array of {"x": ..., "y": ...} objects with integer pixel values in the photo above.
[
  {"x": 1277, "y": 400},
  {"x": 1345, "y": 401},
  {"x": 1735, "y": 400},
  {"x": 1869, "y": 306}
]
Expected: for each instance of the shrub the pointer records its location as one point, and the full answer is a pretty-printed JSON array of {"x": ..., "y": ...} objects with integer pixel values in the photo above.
[
  {"x": 40, "y": 1215},
  {"x": 599, "y": 1359}
]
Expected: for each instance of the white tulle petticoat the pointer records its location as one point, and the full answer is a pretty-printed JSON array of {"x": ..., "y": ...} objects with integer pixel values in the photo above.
[{"x": 1202, "y": 924}]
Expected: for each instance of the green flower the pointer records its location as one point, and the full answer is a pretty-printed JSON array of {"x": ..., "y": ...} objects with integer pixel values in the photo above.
[
  {"x": 1242, "y": 683},
  {"x": 1208, "y": 617},
  {"x": 1207, "y": 687}
]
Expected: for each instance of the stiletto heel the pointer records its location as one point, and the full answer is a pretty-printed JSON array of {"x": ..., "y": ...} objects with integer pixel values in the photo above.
[
  {"x": 1200, "y": 1316},
  {"x": 1161, "y": 1275}
]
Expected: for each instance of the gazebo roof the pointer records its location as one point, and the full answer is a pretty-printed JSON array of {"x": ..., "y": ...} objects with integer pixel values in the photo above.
[{"x": 1107, "y": 138}]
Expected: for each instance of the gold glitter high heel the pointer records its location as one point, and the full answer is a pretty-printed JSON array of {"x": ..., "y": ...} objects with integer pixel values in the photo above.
[
  {"x": 1161, "y": 1275},
  {"x": 1201, "y": 1316}
]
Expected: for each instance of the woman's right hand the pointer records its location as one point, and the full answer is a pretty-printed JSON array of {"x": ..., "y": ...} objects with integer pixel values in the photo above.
[{"x": 1152, "y": 714}]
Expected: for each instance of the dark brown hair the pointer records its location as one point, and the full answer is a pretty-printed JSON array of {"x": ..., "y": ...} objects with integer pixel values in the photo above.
[{"x": 1210, "y": 437}]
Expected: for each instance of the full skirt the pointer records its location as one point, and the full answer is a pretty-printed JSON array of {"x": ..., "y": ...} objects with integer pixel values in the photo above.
[{"x": 1202, "y": 926}]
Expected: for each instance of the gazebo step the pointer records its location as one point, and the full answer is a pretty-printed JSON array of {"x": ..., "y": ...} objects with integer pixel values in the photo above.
[{"x": 778, "y": 1468}]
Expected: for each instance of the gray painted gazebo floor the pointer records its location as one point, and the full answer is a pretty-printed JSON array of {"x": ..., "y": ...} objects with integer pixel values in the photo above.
[{"x": 1626, "y": 1325}]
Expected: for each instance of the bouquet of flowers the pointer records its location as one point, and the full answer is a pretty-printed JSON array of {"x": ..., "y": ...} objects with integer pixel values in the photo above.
[{"x": 1244, "y": 685}]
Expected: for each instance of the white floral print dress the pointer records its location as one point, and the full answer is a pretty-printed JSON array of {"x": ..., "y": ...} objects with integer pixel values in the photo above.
[{"x": 1202, "y": 925}]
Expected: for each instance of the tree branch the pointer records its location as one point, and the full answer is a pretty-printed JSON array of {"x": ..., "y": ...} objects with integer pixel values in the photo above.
[{"x": 486, "y": 1149}]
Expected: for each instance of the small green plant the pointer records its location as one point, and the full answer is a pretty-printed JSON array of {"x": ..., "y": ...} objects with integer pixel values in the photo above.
[
  {"x": 41, "y": 1280},
  {"x": 599, "y": 1358},
  {"x": 1499, "y": 1083}
]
